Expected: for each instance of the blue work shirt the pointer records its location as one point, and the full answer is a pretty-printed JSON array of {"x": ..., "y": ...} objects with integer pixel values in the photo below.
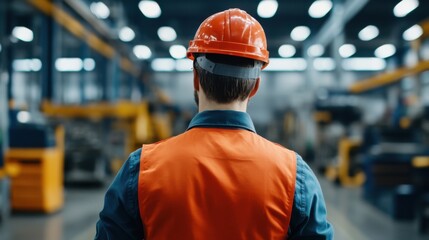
[{"x": 120, "y": 217}]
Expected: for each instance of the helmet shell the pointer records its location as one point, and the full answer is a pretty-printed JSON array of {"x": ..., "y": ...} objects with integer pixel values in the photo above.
[{"x": 232, "y": 32}]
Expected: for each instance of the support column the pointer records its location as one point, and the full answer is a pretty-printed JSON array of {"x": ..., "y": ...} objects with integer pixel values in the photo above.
[
  {"x": 339, "y": 71},
  {"x": 114, "y": 78},
  {"x": 47, "y": 58},
  {"x": 102, "y": 69}
]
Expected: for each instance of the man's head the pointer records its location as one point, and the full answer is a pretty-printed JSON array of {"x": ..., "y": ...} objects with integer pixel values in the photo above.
[
  {"x": 229, "y": 50},
  {"x": 226, "y": 88}
]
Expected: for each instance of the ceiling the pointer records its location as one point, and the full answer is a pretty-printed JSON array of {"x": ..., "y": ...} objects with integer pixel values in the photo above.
[{"x": 185, "y": 17}]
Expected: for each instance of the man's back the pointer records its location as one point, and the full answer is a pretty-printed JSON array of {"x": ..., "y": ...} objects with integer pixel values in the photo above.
[
  {"x": 219, "y": 180},
  {"x": 212, "y": 183}
]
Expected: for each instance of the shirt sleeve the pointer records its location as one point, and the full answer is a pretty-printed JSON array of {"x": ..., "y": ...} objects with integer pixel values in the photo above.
[
  {"x": 120, "y": 217},
  {"x": 309, "y": 210}
]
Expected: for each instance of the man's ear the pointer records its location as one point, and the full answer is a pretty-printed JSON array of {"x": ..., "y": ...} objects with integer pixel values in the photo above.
[
  {"x": 196, "y": 81},
  {"x": 255, "y": 88}
]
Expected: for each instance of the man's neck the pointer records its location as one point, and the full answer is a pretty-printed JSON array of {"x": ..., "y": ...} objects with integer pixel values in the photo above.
[{"x": 235, "y": 106}]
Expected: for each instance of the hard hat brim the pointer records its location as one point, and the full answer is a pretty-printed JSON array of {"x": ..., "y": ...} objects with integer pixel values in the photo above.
[{"x": 228, "y": 48}]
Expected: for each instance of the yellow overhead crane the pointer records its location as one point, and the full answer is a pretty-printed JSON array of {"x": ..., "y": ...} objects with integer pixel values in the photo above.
[{"x": 387, "y": 78}]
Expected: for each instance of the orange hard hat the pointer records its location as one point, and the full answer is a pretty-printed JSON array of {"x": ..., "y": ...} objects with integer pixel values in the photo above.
[{"x": 232, "y": 32}]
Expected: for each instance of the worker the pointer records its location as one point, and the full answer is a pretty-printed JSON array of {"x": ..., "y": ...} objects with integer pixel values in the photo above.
[{"x": 219, "y": 179}]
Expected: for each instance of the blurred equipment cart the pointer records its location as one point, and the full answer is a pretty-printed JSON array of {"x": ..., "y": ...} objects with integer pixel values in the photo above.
[{"x": 38, "y": 151}]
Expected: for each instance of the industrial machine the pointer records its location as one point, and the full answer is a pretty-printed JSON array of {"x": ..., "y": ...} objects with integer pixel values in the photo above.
[
  {"x": 396, "y": 163},
  {"x": 338, "y": 153},
  {"x": 100, "y": 136},
  {"x": 37, "y": 148}
]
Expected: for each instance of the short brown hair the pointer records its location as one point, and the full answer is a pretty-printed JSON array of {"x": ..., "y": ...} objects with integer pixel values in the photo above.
[{"x": 223, "y": 89}]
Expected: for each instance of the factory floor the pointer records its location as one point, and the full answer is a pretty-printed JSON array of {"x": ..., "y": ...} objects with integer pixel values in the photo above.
[{"x": 352, "y": 218}]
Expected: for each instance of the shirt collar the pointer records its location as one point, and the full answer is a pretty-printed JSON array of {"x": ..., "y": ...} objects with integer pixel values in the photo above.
[{"x": 223, "y": 119}]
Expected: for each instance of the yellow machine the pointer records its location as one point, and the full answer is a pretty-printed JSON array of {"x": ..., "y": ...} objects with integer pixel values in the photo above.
[{"x": 38, "y": 183}]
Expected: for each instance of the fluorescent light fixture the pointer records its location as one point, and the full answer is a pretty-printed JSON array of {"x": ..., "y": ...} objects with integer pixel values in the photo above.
[
  {"x": 364, "y": 64},
  {"x": 35, "y": 64},
  {"x": 167, "y": 34},
  {"x": 0, "y": 47},
  {"x": 100, "y": 10},
  {"x": 23, "y": 117},
  {"x": 21, "y": 65},
  {"x": 404, "y": 7},
  {"x": 286, "y": 64},
  {"x": 163, "y": 64},
  {"x": 177, "y": 51},
  {"x": 142, "y": 52},
  {"x": 412, "y": 33},
  {"x": 287, "y": 50},
  {"x": 126, "y": 34},
  {"x": 347, "y": 50},
  {"x": 88, "y": 64},
  {"x": 27, "y": 65},
  {"x": 316, "y": 50},
  {"x": 150, "y": 9},
  {"x": 368, "y": 33},
  {"x": 300, "y": 33},
  {"x": 320, "y": 8},
  {"x": 267, "y": 8},
  {"x": 23, "y": 34},
  {"x": 324, "y": 64},
  {"x": 69, "y": 64},
  {"x": 385, "y": 51},
  {"x": 184, "y": 65}
]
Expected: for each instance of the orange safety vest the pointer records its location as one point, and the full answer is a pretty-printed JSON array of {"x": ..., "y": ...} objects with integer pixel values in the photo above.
[{"x": 214, "y": 183}]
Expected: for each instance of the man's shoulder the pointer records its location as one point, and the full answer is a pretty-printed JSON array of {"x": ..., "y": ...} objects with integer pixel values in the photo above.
[
  {"x": 134, "y": 159},
  {"x": 163, "y": 141},
  {"x": 274, "y": 145}
]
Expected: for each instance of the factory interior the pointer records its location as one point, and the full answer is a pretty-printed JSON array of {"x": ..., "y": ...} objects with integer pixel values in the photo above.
[{"x": 84, "y": 83}]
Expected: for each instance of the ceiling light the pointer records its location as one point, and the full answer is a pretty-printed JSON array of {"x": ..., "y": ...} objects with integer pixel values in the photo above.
[
  {"x": 177, "y": 51},
  {"x": 126, "y": 34},
  {"x": 163, "y": 64},
  {"x": 324, "y": 64},
  {"x": 364, "y": 64},
  {"x": 0, "y": 47},
  {"x": 286, "y": 64},
  {"x": 23, "y": 117},
  {"x": 315, "y": 50},
  {"x": 287, "y": 50},
  {"x": 412, "y": 33},
  {"x": 35, "y": 64},
  {"x": 183, "y": 65},
  {"x": 167, "y": 34},
  {"x": 300, "y": 33},
  {"x": 267, "y": 8},
  {"x": 385, "y": 51},
  {"x": 368, "y": 33},
  {"x": 150, "y": 9},
  {"x": 27, "y": 65},
  {"x": 100, "y": 10},
  {"x": 142, "y": 52},
  {"x": 69, "y": 64},
  {"x": 320, "y": 8},
  {"x": 88, "y": 64},
  {"x": 23, "y": 34},
  {"x": 347, "y": 50},
  {"x": 404, "y": 7}
]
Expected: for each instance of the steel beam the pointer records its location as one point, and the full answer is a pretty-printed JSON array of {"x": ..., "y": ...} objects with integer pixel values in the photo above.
[{"x": 335, "y": 24}]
